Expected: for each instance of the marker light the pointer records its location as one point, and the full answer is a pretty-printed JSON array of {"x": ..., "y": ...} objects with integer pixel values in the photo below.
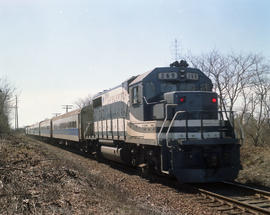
[
  {"x": 182, "y": 99},
  {"x": 214, "y": 100}
]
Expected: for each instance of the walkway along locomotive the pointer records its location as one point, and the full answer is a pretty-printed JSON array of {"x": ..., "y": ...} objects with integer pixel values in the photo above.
[{"x": 166, "y": 120}]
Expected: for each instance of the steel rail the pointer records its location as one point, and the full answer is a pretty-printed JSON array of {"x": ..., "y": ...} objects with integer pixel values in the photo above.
[
  {"x": 239, "y": 203},
  {"x": 248, "y": 188}
]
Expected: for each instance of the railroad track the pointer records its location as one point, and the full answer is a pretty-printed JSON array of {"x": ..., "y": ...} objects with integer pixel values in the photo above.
[
  {"x": 225, "y": 197},
  {"x": 233, "y": 198}
]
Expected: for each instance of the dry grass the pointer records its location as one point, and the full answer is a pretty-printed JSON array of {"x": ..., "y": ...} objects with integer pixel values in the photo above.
[
  {"x": 35, "y": 181},
  {"x": 256, "y": 165},
  {"x": 39, "y": 179}
]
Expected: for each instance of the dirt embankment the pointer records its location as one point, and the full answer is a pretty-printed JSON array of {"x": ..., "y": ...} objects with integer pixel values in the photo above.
[
  {"x": 256, "y": 165},
  {"x": 37, "y": 178}
]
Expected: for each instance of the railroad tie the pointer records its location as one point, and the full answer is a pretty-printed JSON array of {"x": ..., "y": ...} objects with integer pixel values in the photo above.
[
  {"x": 243, "y": 199},
  {"x": 229, "y": 208},
  {"x": 216, "y": 205},
  {"x": 258, "y": 201},
  {"x": 237, "y": 212},
  {"x": 206, "y": 201},
  {"x": 263, "y": 205}
]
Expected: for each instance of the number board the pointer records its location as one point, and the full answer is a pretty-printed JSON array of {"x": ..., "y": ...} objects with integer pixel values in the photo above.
[
  {"x": 168, "y": 75},
  {"x": 192, "y": 76}
]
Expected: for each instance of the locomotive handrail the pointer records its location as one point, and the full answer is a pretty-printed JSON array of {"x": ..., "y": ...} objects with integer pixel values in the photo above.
[
  {"x": 159, "y": 133},
  {"x": 174, "y": 117},
  {"x": 202, "y": 125},
  {"x": 162, "y": 126},
  {"x": 152, "y": 103},
  {"x": 169, "y": 128}
]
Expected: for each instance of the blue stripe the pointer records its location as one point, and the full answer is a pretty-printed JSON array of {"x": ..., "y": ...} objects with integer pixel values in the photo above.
[
  {"x": 67, "y": 131},
  {"x": 45, "y": 131}
]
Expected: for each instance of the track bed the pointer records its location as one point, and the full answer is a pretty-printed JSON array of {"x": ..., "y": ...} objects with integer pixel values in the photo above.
[
  {"x": 38, "y": 178},
  {"x": 234, "y": 198}
]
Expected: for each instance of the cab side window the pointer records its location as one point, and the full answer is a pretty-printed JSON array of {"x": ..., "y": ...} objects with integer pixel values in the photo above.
[
  {"x": 150, "y": 90},
  {"x": 135, "y": 95}
]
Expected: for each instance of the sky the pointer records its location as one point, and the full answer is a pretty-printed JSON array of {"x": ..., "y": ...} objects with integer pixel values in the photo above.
[{"x": 58, "y": 51}]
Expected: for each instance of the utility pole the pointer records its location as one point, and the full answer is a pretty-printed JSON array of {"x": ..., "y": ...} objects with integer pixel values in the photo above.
[
  {"x": 16, "y": 114},
  {"x": 67, "y": 107}
]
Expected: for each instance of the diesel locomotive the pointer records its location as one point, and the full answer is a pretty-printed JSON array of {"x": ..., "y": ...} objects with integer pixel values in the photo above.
[{"x": 166, "y": 120}]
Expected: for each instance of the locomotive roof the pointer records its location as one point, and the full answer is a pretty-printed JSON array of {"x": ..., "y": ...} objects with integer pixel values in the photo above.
[
  {"x": 35, "y": 125},
  {"x": 140, "y": 77},
  {"x": 157, "y": 69},
  {"x": 105, "y": 91},
  {"x": 164, "y": 69},
  {"x": 45, "y": 120},
  {"x": 71, "y": 113},
  {"x": 108, "y": 90}
]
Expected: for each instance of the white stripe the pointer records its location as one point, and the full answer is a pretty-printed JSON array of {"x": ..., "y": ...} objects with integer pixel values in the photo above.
[
  {"x": 98, "y": 125},
  {"x": 191, "y": 135},
  {"x": 191, "y": 123}
]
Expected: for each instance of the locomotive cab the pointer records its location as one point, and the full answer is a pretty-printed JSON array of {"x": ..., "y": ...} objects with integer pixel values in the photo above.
[{"x": 148, "y": 91}]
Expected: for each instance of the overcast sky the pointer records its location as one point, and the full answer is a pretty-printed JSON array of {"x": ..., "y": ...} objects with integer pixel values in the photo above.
[{"x": 56, "y": 51}]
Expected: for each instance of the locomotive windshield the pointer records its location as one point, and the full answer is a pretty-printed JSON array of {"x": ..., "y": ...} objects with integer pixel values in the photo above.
[
  {"x": 156, "y": 90},
  {"x": 168, "y": 79},
  {"x": 167, "y": 87}
]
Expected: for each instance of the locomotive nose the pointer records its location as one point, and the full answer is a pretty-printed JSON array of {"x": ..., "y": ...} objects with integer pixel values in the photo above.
[
  {"x": 192, "y": 101},
  {"x": 198, "y": 105}
]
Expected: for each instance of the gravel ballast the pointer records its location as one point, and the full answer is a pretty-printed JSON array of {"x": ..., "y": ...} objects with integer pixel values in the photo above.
[{"x": 38, "y": 178}]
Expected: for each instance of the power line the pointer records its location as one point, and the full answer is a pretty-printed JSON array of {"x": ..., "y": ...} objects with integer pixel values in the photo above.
[{"x": 67, "y": 107}]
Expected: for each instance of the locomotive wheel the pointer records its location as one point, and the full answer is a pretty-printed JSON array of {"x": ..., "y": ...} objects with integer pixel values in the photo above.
[{"x": 144, "y": 170}]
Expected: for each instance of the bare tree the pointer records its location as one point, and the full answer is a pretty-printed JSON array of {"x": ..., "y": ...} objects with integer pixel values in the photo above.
[
  {"x": 82, "y": 102},
  {"x": 215, "y": 66},
  {"x": 242, "y": 80},
  {"x": 230, "y": 74},
  {"x": 260, "y": 104},
  {"x": 237, "y": 76},
  {"x": 6, "y": 95}
]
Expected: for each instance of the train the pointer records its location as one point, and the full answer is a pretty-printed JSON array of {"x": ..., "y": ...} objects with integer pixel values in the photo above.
[{"x": 166, "y": 120}]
